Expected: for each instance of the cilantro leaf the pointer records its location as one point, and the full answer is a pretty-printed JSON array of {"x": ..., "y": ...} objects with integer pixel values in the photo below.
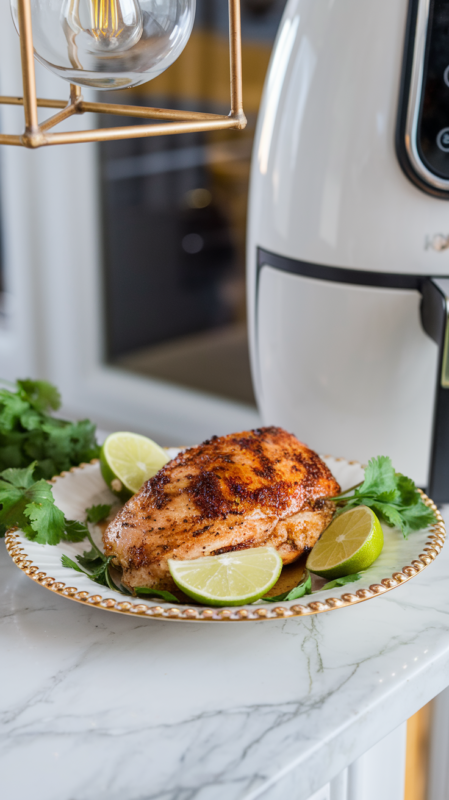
[
  {"x": 417, "y": 516},
  {"x": 341, "y": 581},
  {"x": 100, "y": 573},
  {"x": 75, "y": 531},
  {"x": 301, "y": 590},
  {"x": 168, "y": 596},
  {"x": 97, "y": 513},
  {"x": 389, "y": 514},
  {"x": 14, "y": 497},
  {"x": 67, "y": 562},
  {"x": 40, "y": 394},
  {"x": 31, "y": 420},
  {"x": 91, "y": 558},
  {"x": 20, "y": 478},
  {"x": 47, "y": 521},
  {"x": 407, "y": 490},
  {"x": 303, "y": 587},
  {"x": 90, "y": 563},
  {"x": 11, "y": 409},
  {"x": 380, "y": 478}
]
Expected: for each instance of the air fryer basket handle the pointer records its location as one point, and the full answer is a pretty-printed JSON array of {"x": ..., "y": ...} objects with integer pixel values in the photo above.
[{"x": 434, "y": 317}]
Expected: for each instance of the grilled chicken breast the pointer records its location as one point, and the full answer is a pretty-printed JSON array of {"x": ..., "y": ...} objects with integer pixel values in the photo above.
[{"x": 250, "y": 489}]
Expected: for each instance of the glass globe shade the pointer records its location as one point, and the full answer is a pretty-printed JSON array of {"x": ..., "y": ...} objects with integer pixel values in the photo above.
[{"x": 109, "y": 44}]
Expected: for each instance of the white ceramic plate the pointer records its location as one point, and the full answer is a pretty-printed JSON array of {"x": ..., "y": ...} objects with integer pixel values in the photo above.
[{"x": 74, "y": 491}]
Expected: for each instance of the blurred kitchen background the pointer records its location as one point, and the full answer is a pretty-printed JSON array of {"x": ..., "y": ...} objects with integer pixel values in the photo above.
[
  {"x": 174, "y": 217},
  {"x": 155, "y": 231}
]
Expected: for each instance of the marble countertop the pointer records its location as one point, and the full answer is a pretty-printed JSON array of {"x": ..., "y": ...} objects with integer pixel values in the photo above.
[{"x": 95, "y": 706}]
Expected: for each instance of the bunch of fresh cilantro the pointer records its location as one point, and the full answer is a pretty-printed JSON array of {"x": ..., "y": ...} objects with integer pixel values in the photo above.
[
  {"x": 30, "y": 434},
  {"x": 392, "y": 496},
  {"x": 34, "y": 446}
]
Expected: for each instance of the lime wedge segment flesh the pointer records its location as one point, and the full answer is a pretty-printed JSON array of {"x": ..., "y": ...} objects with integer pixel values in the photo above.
[
  {"x": 127, "y": 460},
  {"x": 231, "y": 579},
  {"x": 351, "y": 543}
]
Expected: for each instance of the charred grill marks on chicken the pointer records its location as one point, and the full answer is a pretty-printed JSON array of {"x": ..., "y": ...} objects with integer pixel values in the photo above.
[{"x": 260, "y": 487}]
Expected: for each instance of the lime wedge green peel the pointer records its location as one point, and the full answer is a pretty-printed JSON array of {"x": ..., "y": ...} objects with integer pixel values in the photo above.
[
  {"x": 231, "y": 579},
  {"x": 127, "y": 460},
  {"x": 351, "y": 543}
]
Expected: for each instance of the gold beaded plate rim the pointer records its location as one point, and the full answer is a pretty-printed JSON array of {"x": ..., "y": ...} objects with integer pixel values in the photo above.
[{"x": 71, "y": 490}]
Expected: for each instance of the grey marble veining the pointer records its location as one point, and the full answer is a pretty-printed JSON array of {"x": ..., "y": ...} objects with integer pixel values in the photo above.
[{"x": 94, "y": 705}]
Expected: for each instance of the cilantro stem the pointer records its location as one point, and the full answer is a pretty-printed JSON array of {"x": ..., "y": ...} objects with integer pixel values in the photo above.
[
  {"x": 109, "y": 581},
  {"x": 342, "y": 496},
  {"x": 94, "y": 546},
  {"x": 118, "y": 588}
]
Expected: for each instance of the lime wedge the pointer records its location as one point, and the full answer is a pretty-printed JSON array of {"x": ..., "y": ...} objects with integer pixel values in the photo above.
[
  {"x": 127, "y": 460},
  {"x": 231, "y": 579},
  {"x": 351, "y": 543}
]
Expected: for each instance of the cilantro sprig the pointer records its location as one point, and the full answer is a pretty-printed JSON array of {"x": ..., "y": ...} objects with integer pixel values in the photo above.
[
  {"x": 97, "y": 567},
  {"x": 29, "y": 433},
  {"x": 93, "y": 563},
  {"x": 303, "y": 587},
  {"x": 391, "y": 495},
  {"x": 341, "y": 581},
  {"x": 150, "y": 592},
  {"x": 30, "y": 506}
]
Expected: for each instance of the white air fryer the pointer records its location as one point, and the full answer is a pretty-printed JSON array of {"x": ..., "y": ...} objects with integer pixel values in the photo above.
[{"x": 348, "y": 246}]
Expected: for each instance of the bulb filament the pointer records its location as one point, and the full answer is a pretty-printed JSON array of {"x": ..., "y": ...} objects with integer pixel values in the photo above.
[
  {"x": 110, "y": 25},
  {"x": 105, "y": 20}
]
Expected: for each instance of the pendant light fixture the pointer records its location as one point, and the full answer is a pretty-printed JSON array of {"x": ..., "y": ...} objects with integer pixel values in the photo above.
[{"x": 111, "y": 44}]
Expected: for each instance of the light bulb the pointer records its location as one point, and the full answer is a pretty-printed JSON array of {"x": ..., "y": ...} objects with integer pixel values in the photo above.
[
  {"x": 106, "y": 25},
  {"x": 109, "y": 44}
]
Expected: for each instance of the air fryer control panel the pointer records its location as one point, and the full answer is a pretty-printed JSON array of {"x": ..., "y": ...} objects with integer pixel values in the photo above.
[
  {"x": 433, "y": 125},
  {"x": 423, "y": 126}
]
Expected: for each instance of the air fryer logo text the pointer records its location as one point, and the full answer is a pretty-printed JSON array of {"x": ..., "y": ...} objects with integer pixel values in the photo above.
[{"x": 437, "y": 242}]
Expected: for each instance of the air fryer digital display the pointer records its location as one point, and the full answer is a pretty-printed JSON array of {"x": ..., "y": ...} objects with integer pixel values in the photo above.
[
  {"x": 433, "y": 125},
  {"x": 422, "y": 132}
]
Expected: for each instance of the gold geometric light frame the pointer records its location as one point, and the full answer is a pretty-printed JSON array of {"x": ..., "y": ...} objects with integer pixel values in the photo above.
[{"x": 39, "y": 135}]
